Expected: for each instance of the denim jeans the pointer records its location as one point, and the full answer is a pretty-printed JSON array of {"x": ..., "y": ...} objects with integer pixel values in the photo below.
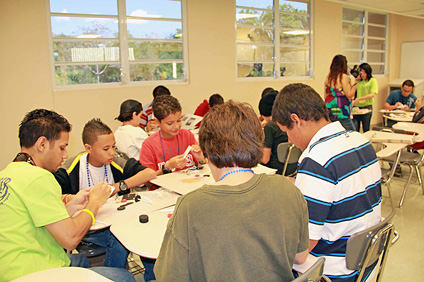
[
  {"x": 116, "y": 254},
  {"x": 364, "y": 119},
  {"x": 148, "y": 264},
  {"x": 112, "y": 273}
]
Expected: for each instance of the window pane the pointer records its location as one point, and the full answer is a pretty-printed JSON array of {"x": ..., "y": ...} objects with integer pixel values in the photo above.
[
  {"x": 293, "y": 6},
  {"x": 255, "y": 35},
  {"x": 166, "y": 71},
  {"x": 85, "y": 51},
  {"x": 294, "y": 69},
  {"x": 353, "y": 57},
  {"x": 376, "y": 31},
  {"x": 353, "y": 29},
  {"x": 89, "y": 74},
  {"x": 286, "y": 37},
  {"x": 255, "y": 53},
  {"x": 254, "y": 17},
  {"x": 263, "y": 4},
  {"x": 375, "y": 57},
  {"x": 94, "y": 7},
  {"x": 70, "y": 27},
  {"x": 352, "y": 43},
  {"x": 294, "y": 54},
  {"x": 154, "y": 29},
  {"x": 294, "y": 21},
  {"x": 377, "y": 69},
  {"x": 154, "y": 8},
  {"x": 255, "y": 70},
  {"x": 155, "y": 50},
  {"x": 353, "y": 15},
  {"x": 376, "y": 44},
  {"x": 374, "y": 18}
]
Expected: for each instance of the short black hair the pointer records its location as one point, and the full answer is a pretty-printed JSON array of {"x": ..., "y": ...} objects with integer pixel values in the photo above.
[
  {"x": 367, "y": 69},
  {"x": 299, "y": 99},
  {"x": 215, "y": 99},
  {"x": 92, "y": 129},
  {"x": 165, "y": 105},
  {"x": 160, "y": 90},
  {"x": 267, "y": 90},
  {"x": 41, "y": 122},
  {"x": 408, "y": 82}
]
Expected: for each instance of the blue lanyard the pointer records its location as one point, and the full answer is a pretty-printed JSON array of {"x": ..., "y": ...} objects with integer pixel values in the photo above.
[
  {"x": 235, "y": 171},
  {"x": 88, "y": 173},
  {"x": 163, "y": 150}
]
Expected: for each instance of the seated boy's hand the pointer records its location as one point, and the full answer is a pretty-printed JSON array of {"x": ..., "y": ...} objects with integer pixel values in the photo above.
[
  {"x": 197, "y": 152},
  {"x": 176, "y": 162}
]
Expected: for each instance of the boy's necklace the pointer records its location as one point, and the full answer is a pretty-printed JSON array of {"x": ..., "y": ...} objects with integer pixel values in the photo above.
[{"x": 89, "y": 174}]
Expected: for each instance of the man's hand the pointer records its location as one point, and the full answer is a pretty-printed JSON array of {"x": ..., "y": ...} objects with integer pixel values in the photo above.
[
  {"x": 197, "y": 152},
  {"x": 78, "y": 202},
  {"x": 99, "y": 193},
  {"x": 176, "y": 162}
]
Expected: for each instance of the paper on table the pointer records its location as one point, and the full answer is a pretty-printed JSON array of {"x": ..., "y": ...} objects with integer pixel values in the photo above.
[{"x": 310, "y": 260}]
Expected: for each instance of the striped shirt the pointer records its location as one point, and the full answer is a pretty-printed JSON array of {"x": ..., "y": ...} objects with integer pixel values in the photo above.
[
  {"x": 146, "y": 115},
  {"x": 340, "y": 177}
]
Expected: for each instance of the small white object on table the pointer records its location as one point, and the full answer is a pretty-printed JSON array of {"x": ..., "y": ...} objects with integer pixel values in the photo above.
[
  {"x": 183, "y": 182},
  {"x": 357, "y": 111},
  {"x": 63, "y": 274}
]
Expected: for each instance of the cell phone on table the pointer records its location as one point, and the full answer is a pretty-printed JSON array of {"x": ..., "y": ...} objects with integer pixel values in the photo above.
[{"x": 128, "y": 197}]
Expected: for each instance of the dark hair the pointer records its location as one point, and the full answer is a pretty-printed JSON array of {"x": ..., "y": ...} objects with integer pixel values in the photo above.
[
  {"x": 337, "y": 69},
  {"x": 408, "y": 82},
  {"x": 235, "y": 140},
  {"x": 41, "y": 122},
  {"x": 165, "y": 105},
  {"x": 160, "y": 90},
  {"x": 367, "y": 69},
  {"x": 92, "y": 129},
  {"x": 267, "y": 90},
  {"x": 128, "y": 107},
  {"x": 215, "y": 99},
  {"x": 299, "y": 99}
]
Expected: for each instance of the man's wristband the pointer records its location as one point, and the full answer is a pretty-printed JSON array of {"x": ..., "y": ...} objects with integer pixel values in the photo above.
[{"x": 92, "y": 215}]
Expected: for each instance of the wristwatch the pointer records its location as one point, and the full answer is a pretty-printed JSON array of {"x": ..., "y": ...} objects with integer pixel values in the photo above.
[
  {"x": 166, "y": 170},
  {"x": 123, "y": 186}
]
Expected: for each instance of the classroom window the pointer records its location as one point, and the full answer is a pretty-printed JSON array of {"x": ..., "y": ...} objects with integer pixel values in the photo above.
[
  {"x": 364, "y": 38},
  {"x": 100, "y": 42},
  {"x": 273, "y": 38}
]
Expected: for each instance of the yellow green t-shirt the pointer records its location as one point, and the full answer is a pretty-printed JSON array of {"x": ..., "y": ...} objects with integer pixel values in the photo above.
[
  {"x": 363, "y": 88},
  {"x": 30, "y": 198}
]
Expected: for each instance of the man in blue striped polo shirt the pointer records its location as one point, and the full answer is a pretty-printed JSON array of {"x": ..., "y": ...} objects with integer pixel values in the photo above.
[{"x": 338, "y": 174}]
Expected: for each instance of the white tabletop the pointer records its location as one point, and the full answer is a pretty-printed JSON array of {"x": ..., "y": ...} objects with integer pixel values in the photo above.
[
  {"x": 109, "y": 214},
  {"x": 398, "y": 115},
  {"x": 183, "y": 183},
  {"x": 144, "y": 239},
  {"x": 392, "y": 142},
  {"x": 63, "y": 274},
  {"x": 417, "y": 128}
]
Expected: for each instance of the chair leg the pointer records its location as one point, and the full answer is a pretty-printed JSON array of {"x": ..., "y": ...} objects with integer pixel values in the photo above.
[
  {"x": 420, "y": 178},
  {"x": 406, "y": 187},
  {"x": 390, "y": 196}
]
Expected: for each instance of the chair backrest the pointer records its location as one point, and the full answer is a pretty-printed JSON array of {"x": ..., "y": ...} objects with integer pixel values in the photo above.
[
  {"x": 366, "y": 247},
  {"x": 314, "y": 273},
  {"x": 288, "y": 153}
]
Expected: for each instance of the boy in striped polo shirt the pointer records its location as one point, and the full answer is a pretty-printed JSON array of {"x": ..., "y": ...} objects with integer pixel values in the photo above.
[{"x": 338, "y": 174}]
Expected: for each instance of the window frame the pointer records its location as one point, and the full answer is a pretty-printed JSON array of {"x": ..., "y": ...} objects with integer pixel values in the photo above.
[
  {"x": 366, "y": 37},
  {"x": 276, "y": 61},
  {"x": 122, "y": 41}
]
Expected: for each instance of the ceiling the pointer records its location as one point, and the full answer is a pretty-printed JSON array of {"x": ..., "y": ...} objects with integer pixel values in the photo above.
[{"x": 411, "y": 8}]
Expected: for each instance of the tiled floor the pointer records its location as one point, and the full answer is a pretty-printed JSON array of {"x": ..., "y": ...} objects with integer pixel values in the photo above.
[{"x": 406, "y": 257}]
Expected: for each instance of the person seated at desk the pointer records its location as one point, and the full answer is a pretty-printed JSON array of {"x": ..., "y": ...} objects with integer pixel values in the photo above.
[
  {"x": 129, "y": 136},
  {"x": 244, "y": 227},
  {"x": 338, "y": 174},
  {"x": 205, "y": 106},
  {"x": 36, "y": 225},
  {"x": 100, "y": 163},
  {"x": 163, "y": 151},
  {"x": 148, "y": 122},
  {"x": 273, "y": 136},
  {"x": 402, "y": 99}
]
